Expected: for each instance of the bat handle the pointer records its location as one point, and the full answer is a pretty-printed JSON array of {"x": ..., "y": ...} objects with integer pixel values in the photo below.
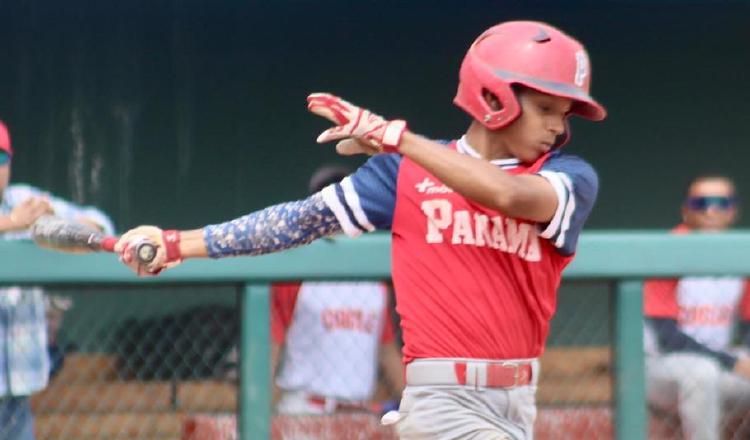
[
  {"x": 108, "y": 244},
  {"x": 144, "y": 250}
]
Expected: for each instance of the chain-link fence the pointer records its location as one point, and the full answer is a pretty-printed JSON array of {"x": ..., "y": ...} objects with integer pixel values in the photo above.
[
  {"x": 131, "y": 363},
  {"x": 574, "y": 397},
  {"x": 162, "y": 363},
  {"x": 696, "y": 351}
]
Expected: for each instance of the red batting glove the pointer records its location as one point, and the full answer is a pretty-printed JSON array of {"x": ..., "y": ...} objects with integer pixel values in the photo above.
[{"x": 353, "y": 121}]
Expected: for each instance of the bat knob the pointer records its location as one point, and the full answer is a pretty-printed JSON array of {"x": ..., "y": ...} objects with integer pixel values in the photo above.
[{"x": 145, "y": 252}]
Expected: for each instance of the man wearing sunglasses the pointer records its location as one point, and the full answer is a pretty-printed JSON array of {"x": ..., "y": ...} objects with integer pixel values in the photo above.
[
  {"x": 24, "y": 361},
  {"x": 691, "y": 366}
]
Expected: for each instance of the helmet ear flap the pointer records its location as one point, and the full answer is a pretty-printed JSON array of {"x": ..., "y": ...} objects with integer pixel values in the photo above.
[
  {"x": 509, "y": 107},
  {"x": 476, "y": 79}
]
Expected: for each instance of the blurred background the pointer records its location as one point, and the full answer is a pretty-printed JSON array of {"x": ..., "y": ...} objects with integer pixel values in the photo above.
[{"x": 182, "y": 113}]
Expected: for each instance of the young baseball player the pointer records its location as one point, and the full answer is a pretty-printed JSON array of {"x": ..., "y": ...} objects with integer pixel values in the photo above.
[
  {"x": 691, "y": 365},
  {"x": 482, "y": 228}
]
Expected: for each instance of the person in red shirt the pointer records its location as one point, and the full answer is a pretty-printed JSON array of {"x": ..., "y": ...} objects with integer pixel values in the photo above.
[
  {"x": 691, "y": 364},
  {"x": 331, "y": 337},
  {"x": 482, "y": 227}
]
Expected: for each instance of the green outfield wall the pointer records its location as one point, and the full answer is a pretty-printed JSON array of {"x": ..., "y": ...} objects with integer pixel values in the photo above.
[{"x": 623, "y": 259}]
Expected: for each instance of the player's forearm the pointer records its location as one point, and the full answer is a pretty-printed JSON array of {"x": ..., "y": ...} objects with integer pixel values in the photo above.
[
  {"x": 7, "y": 224},
  {"x": 481, "y": 181},
  {"x": 192, "y": 244},
  {"x": 273, "y": 229}
]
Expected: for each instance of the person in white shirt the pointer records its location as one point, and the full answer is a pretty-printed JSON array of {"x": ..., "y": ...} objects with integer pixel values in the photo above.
[{"x": 691, "y": 364}]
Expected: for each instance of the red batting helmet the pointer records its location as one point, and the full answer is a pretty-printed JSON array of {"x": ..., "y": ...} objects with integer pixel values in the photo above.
[
  {"x": 5, "y": 139},
  {"x": 532, "y": 54}
]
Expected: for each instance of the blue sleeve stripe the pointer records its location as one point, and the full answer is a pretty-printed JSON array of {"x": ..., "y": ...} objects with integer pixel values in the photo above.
[
  {"x": 579, "y": 182},
  {"x": 342, "y": 198},
  {"x": 331, "y": 199},
  {"x": 352, "y": 201},
  {"x": 569, "y": 210}
]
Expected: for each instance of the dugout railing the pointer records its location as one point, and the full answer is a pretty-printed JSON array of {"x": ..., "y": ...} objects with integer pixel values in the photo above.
[{"x": 624, "y": 258}]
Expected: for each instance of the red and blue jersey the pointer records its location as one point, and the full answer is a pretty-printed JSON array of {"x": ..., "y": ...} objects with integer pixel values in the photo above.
[{"x": 470, "y": 282}]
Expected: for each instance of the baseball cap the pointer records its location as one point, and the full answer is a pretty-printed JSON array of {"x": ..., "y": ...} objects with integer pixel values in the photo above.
[{"x": 5, "y": 139}]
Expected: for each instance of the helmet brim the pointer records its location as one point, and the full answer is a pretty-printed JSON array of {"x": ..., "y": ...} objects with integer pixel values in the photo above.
[{"x": 584, "y": 105}]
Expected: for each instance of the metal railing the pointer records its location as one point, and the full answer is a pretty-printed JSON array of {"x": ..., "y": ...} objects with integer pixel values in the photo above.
[{"x": 625, "y": 258}]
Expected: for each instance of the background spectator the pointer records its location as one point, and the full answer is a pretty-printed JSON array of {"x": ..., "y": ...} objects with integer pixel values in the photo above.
[
  {"x": 24, "y": 357},
  {"x": 331, "y": 337},
  {"x": 690, "y": 363}
]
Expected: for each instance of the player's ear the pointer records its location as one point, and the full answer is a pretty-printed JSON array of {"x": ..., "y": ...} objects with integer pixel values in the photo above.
[{"x": 492, "y": 101}]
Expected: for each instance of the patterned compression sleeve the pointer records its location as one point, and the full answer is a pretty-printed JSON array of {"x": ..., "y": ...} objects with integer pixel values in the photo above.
[{"x": 272, "y": 229}]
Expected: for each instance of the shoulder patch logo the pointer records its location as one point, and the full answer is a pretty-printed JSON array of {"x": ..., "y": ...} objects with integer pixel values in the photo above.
[{"x": 430, "y": 187}]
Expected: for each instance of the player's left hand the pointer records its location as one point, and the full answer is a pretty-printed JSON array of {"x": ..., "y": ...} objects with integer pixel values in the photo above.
[
  {"x": 355, "y": 122},
  {"x": 129, "y": 241}
]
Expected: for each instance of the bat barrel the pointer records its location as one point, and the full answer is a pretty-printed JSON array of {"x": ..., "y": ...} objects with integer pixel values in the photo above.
[{"x": 68, "y": 236}]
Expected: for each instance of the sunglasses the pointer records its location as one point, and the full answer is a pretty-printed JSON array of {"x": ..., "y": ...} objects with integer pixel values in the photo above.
[
  {"x": 4, "y": 157},
  {"x": 722, "y": 203}
]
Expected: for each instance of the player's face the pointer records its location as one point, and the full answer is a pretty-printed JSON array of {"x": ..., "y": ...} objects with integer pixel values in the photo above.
[
  {"x": 535, "y": 131},
  {"x": 710, "y": 205}
]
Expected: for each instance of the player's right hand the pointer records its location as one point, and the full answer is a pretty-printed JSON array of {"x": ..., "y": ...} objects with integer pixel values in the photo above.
[
  {"x": 128, "y": 243},
  {"x": 355, "y": 122},
  {"x": 27, "y": 212}
]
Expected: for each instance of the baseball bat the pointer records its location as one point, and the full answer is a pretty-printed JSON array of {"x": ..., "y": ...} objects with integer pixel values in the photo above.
[{"x": 68, "y": 236}]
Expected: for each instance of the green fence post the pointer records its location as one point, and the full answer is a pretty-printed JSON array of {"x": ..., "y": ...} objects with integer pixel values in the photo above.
[
  {"x": 255, "y": 363},
  {"x": 630, "y": 378}
]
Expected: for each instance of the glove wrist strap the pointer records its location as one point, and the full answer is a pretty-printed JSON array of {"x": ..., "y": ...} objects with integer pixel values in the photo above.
[
  {"x": 392, "y": 135},
  {"x": 171, "y": 239}
]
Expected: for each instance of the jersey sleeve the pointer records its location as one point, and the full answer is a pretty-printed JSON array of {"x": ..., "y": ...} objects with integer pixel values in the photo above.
[
  {"x": 364, "y": 201},
  {"x": 283, "y": 301},
  {"x": 660, "y": 299},
  {"x": 576, "y": 185}
]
